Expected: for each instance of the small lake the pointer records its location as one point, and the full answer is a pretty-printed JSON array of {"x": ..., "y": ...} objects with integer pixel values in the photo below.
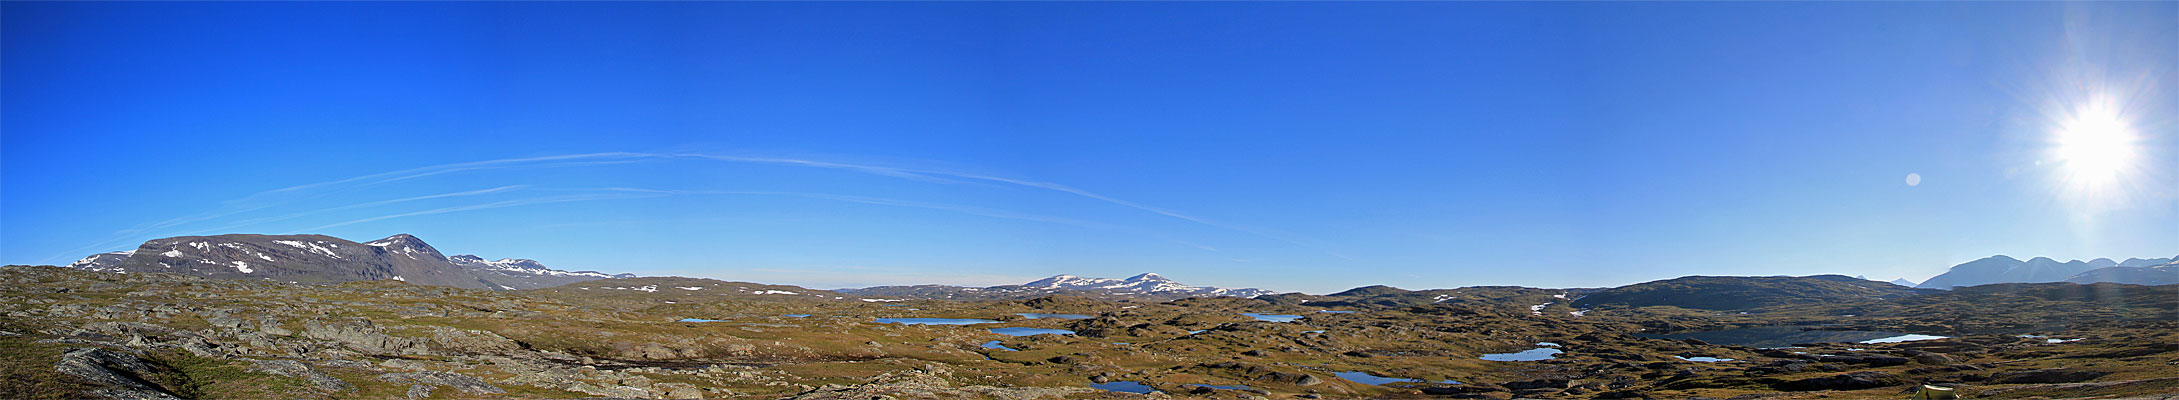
[
  {"x": 1031, "y": 315},
  {"x": 935, "y": 321},
  {"x": 1786, "y": 336},
  {"x": 1334, "y": 312},
  {"x": 1272, "y": 318},
  {"x": 699, "y": 320},
  {"x": 1030, "y": 331},
  {"x": 796, "y": 315},
  {"x": 995, "y": 345},
  {"x": 1703, "y": 359},
  {"x": 1124, "y": 387},
  {"x": 1905, "y": 338},
  {"x": 1368, "y": 379},
  {"x": 1536, "y": 354}
]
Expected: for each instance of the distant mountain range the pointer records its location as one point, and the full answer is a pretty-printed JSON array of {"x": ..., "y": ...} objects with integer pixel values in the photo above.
[
  {"x": 326, "y": 259},
  {"x": 1145, "y": 286},
  {"x": 674, "y": 288},
  {"x": 2003, "y": 269}
]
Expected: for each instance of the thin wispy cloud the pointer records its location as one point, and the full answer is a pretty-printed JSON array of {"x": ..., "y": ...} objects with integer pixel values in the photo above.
[
  {"x": 487, "y": 206},
  {"x": 287, "y": 195},
  {"x": 251, "y": 222},
  {"x": 969, "y": 210}
]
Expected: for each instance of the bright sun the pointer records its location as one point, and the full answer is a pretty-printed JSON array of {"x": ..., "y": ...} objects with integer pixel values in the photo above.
[
  {"x": 2095, "y": 151},
  {"x": 2095, "y": 146}
]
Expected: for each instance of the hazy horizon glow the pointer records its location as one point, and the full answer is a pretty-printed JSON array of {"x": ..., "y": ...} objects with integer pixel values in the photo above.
[{"x": 1288, "y": 146}]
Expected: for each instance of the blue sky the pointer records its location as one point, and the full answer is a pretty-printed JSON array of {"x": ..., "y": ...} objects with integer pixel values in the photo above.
[{"x": 1291, "y": 146}]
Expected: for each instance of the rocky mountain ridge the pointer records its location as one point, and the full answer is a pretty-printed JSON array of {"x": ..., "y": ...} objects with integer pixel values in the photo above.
[
  {"x": 1148, "y": 286},
  {"x": 326, "y": 259}
]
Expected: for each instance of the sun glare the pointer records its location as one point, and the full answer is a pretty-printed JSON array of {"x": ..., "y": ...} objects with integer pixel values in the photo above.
[
  {"x": 2095, "y": 148},
  {"x": 2096, "y": 144}
]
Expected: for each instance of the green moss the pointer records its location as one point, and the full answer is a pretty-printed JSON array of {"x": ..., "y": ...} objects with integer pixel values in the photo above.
[
  {"x": 208, "y": 378},
  {"x": 26, "y": 371}
]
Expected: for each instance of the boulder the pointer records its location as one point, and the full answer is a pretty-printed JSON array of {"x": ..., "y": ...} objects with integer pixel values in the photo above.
[
  {"x": 294, "y": 369},
  {"x": 361, "y": 335},
  {"x": 118, "y": 375},
  {"x": 460, "y": 382}
]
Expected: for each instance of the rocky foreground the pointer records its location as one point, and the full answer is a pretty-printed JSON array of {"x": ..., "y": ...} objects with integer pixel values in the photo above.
[{"x": 80, "y": 334}]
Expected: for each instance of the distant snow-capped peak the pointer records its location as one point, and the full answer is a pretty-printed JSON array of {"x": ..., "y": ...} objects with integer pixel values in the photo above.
[
  {"x": 1148, "y": 283},
  {"x": 519, "y": 265}
]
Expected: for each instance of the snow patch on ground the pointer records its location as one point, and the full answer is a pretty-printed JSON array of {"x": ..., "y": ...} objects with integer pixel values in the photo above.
[
  {"x": 243, "y": 266},
  {"x": 774, "y": 292}
]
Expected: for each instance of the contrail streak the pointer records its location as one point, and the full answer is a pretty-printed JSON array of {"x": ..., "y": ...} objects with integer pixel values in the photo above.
[{"x": 270, "y": 198}]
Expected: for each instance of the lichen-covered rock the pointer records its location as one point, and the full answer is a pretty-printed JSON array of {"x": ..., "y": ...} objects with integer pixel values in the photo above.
[
  {"x": 360, "y": 334},
  {"x": 291, "y": 368},
  {"x": 460, "y": 382},
  {"x": 118, "y": 375}
]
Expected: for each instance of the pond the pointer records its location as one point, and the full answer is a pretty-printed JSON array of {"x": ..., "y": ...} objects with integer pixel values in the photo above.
[
  {"x": 1334, "y": 312},
  {"x": 699, "y": 320},
  {"x": 1273, "y": 317},
  {"x": 796, "y": 315},
  {"x": 1030, "y": 331},
  {"x": 1779, "y": 336},
  {"x": 1905, "y": 338},
  {"x": 1124, "y": 387},
  {"x": 1368, "y": 379},
  {"x": 1536, "y": 354},
  {"x": 1031, "y": 315},
  {"x": 935, "y": 321},
  {"x": 1703, "y": 359},
  {"x": 995, "y": 345}
]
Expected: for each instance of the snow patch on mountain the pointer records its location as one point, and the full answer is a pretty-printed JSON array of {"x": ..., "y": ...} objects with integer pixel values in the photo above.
[
  {"x": 520, "y": 266},
  {"x": 1148, "y": 283}
]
